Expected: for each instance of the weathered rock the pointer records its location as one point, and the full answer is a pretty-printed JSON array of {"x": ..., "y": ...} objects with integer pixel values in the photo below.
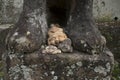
[
  {"x": 66, "y": 45},
  {"x": 23, "y": 59},
  {"x": 81, "y": 29},
  {"x": 51, "y": 50},
  {"x": 74, "y": 66},
  {"x": 30, "y": 31},
  {"x": 10, "y": 10},
  {"x": 4, "y": 29},
  {"x": 111, "y": 30}
]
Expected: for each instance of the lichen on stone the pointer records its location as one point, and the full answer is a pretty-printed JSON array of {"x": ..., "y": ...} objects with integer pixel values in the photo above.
[
  {"x": 15, "y": 34},
  {"x": 28, "y": 33},
  {"x": 52, "y": 72},
  {"x": 55, "y": 78},
  {"x": 12, "y": 56},
  {"x": 14, "y": 72},
  {"x": 108, "y": 67},
  {"x": 101, "y": 70},
  {"x": 26, "y": 72},
  {"x": 46, "y": 74},
  {"x": 73, "y": 66},
  {"x": 51, "y": 50},
  {"x": 79, "y": 64},
  {"x": 69, "y": 72}
]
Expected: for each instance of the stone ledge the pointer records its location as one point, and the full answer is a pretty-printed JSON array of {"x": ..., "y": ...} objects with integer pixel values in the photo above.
[{"x": 66, "y": 66}]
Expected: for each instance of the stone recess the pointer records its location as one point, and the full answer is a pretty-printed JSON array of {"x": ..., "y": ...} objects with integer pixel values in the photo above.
[{"x": 66, "y": 66}]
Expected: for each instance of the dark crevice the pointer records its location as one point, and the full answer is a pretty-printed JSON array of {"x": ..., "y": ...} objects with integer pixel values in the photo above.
[
  {"x": 57, "y": 12},
  {"x": 116, "y": 18}
]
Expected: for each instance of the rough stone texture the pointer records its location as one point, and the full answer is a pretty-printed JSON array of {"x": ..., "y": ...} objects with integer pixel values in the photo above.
[
  {"x": 51, "y": 50},
  {"x": 66, "y": 46},
  {"x": 74, "y": 66},
  {"x": 4, "y": 29},
  {"x": 23, "y": 59},
  {"x": 103, "y": 10},
  {"x": 10, "y": 10},
  {"x": 30, "y": 31},
  {"x": 82, "y": 31},
  {"x": 111, "y": 30},
  {"x": 106, "y": 10}
]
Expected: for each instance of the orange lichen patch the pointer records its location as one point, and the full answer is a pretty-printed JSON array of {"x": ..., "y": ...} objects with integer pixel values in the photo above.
[{"x": 56, "y": 35}]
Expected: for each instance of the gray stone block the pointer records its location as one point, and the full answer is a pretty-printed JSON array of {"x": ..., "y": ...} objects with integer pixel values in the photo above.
[{"x": 66, "y": 66}]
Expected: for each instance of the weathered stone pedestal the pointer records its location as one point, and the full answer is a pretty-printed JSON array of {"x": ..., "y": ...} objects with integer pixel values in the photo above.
[
  {"x": 23, "y": 59},
  {"x": 66, "y": 66}
]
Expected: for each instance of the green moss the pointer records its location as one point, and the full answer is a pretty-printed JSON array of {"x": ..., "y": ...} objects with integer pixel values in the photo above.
[
  {"x": 1, "y": 74},
  {"x": 116, "y": 72},
  {"x": 108, "y": 36},
  {"x": 105, "y": 18}
]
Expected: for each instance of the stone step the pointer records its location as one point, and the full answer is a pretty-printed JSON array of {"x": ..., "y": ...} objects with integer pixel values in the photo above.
[{"x": 65, "y": 66}]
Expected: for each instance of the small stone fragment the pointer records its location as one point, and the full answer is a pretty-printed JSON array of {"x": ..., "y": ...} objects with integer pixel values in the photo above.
[
  {"x": 51, "y": 50},
  {"x": 28, "y": 32},
  {"x": 15, "y": 34},
  {"x": 65, "y": 46}
]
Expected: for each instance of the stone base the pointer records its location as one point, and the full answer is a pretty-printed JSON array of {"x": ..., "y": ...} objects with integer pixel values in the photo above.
[{"x": 66, "y": 66}]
